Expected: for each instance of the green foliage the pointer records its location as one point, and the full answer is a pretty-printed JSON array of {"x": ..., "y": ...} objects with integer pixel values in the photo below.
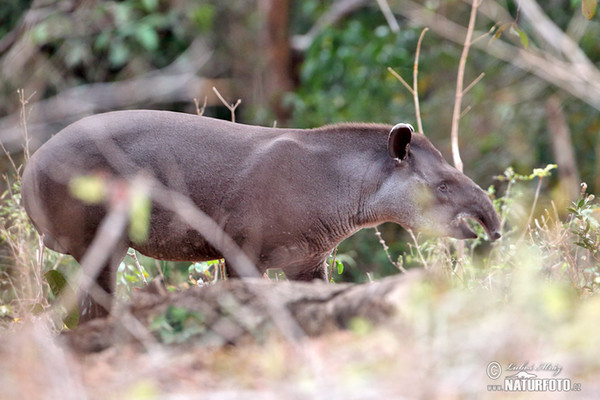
[
  {"x": 61, "y": 289},
  {"x": 206, "y": 271},
  {"x": 586, "y": 227},
  {"x": 140, "y": 32},
  {"x": 139, "y": 216},
  {"x": 588, "y": 8},
  {"x": 131, "y": 276},
  {"x": 345, "y": 78},
  {"x": 177, "y": 325},
  {"x": 512, "y": 177},
  {"x": 10, "y": 13},
  {"x": 90, "y": 189}
]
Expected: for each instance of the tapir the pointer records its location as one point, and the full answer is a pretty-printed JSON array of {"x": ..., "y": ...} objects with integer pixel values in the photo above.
[{"x": 285, "y": 197}]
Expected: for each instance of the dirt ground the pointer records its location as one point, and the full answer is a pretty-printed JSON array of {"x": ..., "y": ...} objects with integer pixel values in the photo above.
[{"x": 405, "y": 337}]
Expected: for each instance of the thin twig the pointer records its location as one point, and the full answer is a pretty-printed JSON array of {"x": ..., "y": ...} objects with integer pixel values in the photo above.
[
  {"x": 200, "y": 110},
  {"x": 414, "y": 238},
  {"x": 231, "y": 107},
  {"x": 465, "y": 111},
  {"x": 483, "y": 35},
  {"x": 459, "y": 87},
  {"x": 12, "y": 162},
  {"x": 481, "y": 75},
  {"x": 397, "y": 76},
  {"x": 23, "y": 118},
  {"x": 416, "y": 80},
  {"x": 133, "y": 255},
  {"x": 389, "y": 15},
  {"x": 387, "y": 253},
  {"x": 535, "y": 200},
  {"x": 333, "y": 264},
  {"x": 414, "y": 90}
]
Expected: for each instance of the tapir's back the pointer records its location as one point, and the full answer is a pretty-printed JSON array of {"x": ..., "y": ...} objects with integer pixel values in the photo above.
[{"x": 196, "y": 156}]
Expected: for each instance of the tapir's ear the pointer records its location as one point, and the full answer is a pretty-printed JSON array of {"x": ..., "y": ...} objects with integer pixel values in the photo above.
[{"x": 399, "y": 140}]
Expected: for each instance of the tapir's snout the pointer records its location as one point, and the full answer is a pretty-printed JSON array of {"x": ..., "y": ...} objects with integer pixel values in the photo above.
[
  {"x": 462, "y": 230},
  {"x": 483, "y": 212}
]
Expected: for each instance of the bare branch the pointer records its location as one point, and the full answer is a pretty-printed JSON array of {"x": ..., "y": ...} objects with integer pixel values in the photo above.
[
  {"x": 465, "y": 111},
  {"x": 414, "y": 90},
  {"x": 231, "y": 106},
  {"x": 200, "y": 110},
  {"x": 584, "y": 85},
  {"x": 414, "y": 238},
  {"x": 133, "y": 255},
  {"x": 178, "y": 81},
  {"x": 387, "y": 252},
  {"x": 389, "y": 15},
  {"x": 416, "y": 80},
  {"x": 397, "y": 76},
  {"x": 459, "y": 87},
  {"x": 470, "y": 86}
]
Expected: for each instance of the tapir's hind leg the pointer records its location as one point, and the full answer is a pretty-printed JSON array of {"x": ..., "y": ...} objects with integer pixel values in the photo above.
[{"x": 95, "y": 295}]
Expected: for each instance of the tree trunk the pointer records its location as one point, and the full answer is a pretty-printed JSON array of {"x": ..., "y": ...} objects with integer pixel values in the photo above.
[
  {"x": 276, "y": 37},
  {"x": 562, "y": 148}
]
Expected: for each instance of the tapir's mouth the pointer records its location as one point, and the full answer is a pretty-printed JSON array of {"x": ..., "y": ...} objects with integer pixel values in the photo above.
[{"x": 463, "y": 231}]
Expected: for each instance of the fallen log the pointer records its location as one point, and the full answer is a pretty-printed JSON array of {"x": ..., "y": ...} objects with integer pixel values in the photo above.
[{"x": 237, "y": 311}]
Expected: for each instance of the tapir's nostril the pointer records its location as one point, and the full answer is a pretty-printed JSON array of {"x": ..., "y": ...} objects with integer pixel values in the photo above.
[{"x": 496, "y": 236}]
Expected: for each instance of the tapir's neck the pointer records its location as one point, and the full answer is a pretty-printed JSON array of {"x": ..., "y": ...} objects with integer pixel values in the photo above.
[{"x": 355, "y": 165}]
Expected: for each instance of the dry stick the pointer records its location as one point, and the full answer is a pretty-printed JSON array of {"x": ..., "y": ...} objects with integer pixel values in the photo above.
[
  {"x": 231, "y": 107},
  {"x": 133, "y": 255},
  {"x": 414, "y": 90},
  {"x": 386, "y": 250},
  {"x": 415, "y": 82},
  {"x": 535, "y": 200},
  {"x": 333, "y": 264},
  {"x": 24, "y": 101},
  {"x": 460, "y": 91},
  {"x": 389, "y": 15},
  {"x": 414, "y": 238},
  {"x": 200, "y": 110}
]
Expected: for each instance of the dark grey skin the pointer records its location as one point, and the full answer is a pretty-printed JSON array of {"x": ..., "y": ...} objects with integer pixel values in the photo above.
[{"x": 287, "y": 197}]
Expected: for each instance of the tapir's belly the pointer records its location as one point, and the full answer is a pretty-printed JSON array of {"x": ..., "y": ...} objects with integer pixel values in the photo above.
[{"x": 188, "y": 245}]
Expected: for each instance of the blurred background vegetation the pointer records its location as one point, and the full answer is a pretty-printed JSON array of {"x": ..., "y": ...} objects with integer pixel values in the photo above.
[{"x": 309, "y": 63}]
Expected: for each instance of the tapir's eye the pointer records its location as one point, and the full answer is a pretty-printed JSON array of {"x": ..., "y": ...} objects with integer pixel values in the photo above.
[{"x": 443, "y": 187}]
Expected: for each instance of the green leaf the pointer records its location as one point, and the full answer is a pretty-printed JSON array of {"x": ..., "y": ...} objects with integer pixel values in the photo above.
[
  {"x": 118, "y": 54},
  {"x": 150, "y": 5},
  {"x": 523, "y": 37},
  {"x": 72, "y": 319},
  {"x": 340, "y": 266},
  {"x": 5, "y": 310},
  {"x": 147, "y": 37},
  {"x": 141, "y": 206},
  {"x": 514, "y": 29},
  {"x": 58, "y": 284},
  {"x": 588, "y": 8},
  {"x": 88, "y": 188},
  {"x": 501, "y": 30},
  {"x": 56, "y": 281}
]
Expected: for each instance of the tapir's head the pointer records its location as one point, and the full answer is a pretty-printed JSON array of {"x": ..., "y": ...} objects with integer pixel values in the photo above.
[{"x": 435, "y": 197}]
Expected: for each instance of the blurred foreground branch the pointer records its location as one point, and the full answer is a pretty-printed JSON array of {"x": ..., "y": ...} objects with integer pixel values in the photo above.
[{"x": 176, "y": 82}]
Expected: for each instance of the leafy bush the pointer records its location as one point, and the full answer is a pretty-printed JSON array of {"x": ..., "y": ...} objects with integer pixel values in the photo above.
[{"x": 344, "y": 76}]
